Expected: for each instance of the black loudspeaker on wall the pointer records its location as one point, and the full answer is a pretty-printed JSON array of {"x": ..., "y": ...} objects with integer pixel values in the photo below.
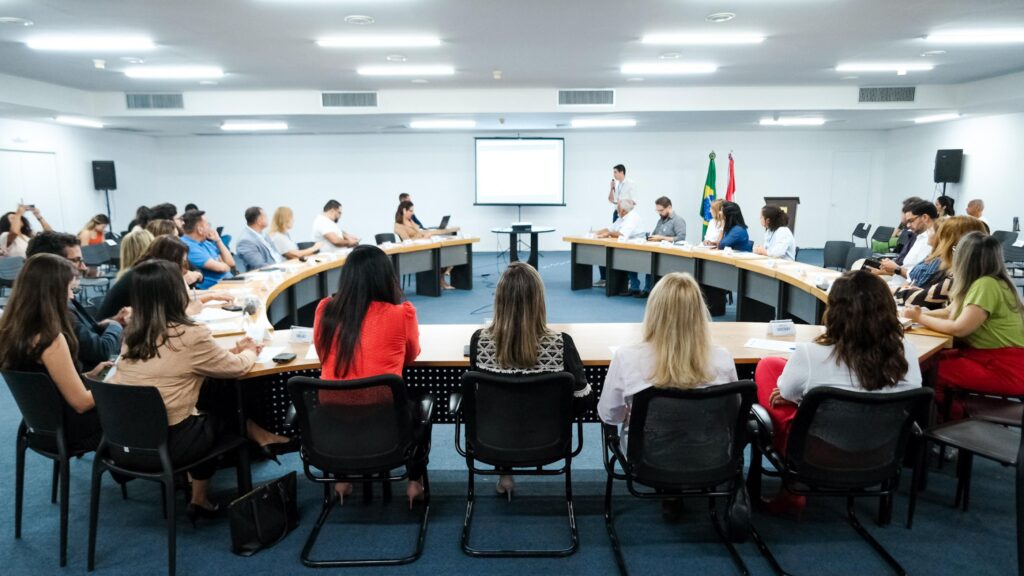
[
  {"x": 948, "y": 165},
  {"x": 103, "y": 177}
]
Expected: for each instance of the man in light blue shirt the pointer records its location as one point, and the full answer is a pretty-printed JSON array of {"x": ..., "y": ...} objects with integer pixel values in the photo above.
[
  {"x": 206, "y": 251},
  {"x": 254, "y": 247}
]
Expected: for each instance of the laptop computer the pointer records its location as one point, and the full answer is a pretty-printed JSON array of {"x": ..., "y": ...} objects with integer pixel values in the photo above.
[{"x": 444, "y": 223}]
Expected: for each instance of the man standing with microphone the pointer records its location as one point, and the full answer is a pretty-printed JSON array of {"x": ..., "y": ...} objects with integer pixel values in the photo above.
[{"x": 621, "y": 189}]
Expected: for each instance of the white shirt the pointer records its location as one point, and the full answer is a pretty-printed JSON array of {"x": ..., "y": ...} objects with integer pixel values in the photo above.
[
  {"x": 810, "y": 367},
  {"x": 919, "y": 251},
  {"x": 630, "y": 373},
  {"x": 322, "y": 225},
  {"x": 17, "y": 248},
  {"x": 780, "y": 243},
  {"x": 283, "y": 243},
  {"x": 629, "y": 225},
  {"x": 625, "y": 190},
  {"x": 714, "y": 231}
]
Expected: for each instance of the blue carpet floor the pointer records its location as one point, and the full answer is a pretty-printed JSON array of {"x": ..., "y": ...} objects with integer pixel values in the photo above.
[{"x": 132, "y": 534}]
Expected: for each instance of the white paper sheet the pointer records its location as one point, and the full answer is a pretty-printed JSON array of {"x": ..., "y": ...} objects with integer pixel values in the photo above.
[
  {"x": 311, "y": 354},
  {"x": 773, "y": 345},
  {"x": 269, "y": 352},
  {"x": 210, "y": 314}
]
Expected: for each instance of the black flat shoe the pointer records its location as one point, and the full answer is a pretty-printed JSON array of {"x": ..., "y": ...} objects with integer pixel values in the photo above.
[
  {"x": 194, "y": 512},
  {"x": 272, "y": 451}
]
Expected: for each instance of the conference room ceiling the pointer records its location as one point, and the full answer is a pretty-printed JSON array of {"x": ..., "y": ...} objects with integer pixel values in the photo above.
[{"x": 269, "y": 44}]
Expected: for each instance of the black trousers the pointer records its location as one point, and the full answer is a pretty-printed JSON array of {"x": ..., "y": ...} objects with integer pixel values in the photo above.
[{"x": 193, "y": 438}]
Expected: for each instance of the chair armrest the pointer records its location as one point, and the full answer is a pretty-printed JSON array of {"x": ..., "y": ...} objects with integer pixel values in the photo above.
[
  {"x": 424, "y": 408},
  {"x": 611, "y": 450},
  {"x": 455, "y": 410},
  {"x": 454, "y": 403},
  {"x": 763, "y": 431},
  {"x": 579, "y": 439}
]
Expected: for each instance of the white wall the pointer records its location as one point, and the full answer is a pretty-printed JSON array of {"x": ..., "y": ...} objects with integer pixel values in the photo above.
[{"x": 993, "y": 162}]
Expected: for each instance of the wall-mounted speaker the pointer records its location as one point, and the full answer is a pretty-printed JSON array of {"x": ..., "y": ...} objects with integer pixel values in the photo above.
[
  {"x": 103, "y": 176},
  {"x": 949, "y": 165}
]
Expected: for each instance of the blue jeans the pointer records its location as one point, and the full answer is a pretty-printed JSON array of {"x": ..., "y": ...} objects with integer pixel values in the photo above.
[{"x": 634, "y": 281}]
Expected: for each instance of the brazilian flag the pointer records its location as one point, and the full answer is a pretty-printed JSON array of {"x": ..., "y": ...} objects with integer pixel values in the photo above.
[{"x": 709, "y": 194}]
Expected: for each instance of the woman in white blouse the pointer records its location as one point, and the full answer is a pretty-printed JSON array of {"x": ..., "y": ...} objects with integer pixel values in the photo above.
[
  {"x": 778, "y": 238},
  {"x": 283, "y": 243},
  {"x": 862, "y": 349},
  {"x": 717, "y": 224}
]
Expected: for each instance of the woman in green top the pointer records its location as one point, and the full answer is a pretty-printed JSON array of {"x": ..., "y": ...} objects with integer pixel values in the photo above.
[{"x": 986, "y": 316}]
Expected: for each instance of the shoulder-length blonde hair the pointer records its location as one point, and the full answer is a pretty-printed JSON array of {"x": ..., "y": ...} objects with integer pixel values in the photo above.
[
  {"x": 282, "y": 220},
  {"x": 948, "y": 232},
  {"x": 520, "y": 316},
  {"x": 676, "y": 326},
  {"x": 133, "y": 246}
]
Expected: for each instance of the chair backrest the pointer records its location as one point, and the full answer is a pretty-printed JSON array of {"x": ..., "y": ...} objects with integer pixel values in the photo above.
[
  {"x": 846, "y": 439},
  {"x": 353, "y": 426},
  {"x": 134, "y": 421},
  {"x": 862, "y": 230},
  {"x": 40, "y": 403},
  {"x": 883, "y": 233},
  {"x": 856, "y": 253},
  {"x": 518, "y": 420},
  {"x": 688, "y": 438},
  {"x": 903, "y": 239},
  {"x": 95, "y": 255},
  {"x": 9, "y": 269},
  {"x": 240, "y": 264},
  {"x": 835, "y": 253},
  {"x": 1005, "y": 237},
  {"x": 304, "y": 245},
  {"x": 384, "y": 237}
]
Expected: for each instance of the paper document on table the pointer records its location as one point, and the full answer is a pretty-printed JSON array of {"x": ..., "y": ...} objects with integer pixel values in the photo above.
[
  {"x": 208, "y": 315},
  {"x": 268, "y": 353},
  {"x": 311, "y": 354},
  {"x": 773, "y": 345}
]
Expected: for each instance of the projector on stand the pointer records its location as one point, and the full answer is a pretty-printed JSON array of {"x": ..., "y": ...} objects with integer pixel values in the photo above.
[{"x": 522, "y": 226}]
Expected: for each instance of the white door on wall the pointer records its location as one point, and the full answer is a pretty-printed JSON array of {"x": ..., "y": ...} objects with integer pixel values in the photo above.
[
  {"x": 31, "y": 177},
  {"x": 851, "y": 193}
]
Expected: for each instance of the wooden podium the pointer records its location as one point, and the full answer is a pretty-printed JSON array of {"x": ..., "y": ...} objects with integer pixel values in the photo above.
[{"x": 788, "y": 205}]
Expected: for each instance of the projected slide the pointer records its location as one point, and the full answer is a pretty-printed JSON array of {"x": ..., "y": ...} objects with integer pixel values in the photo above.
[{"x": 520, "y": 171}]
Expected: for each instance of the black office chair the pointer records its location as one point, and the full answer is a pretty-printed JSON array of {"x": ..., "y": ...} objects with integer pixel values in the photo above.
[
  {"x": 304, "y": 245},
  {"x": 42, "y": 430},
  {"x": 384, "y": 237},
  {"x": 9, "y": 269},
  {"x": 882, "y": 235},
  {"x": 835, "y": 253},
  {"x": 683, "y": 443},
  {"x": 517, "y": 425},
  {"x": 842, "y": 444},
  {"x": 901, "y": 241},
  {"x": 134, "y": 445},
  {"x": 861, "y": 231},
  {"x": 1005, "y": 237},
  {"x": 360, "y": 442},
  {"x": 856, "y": 253},
  {"x": 240, "y": 266},
  {"x": 96, "y": 255}
]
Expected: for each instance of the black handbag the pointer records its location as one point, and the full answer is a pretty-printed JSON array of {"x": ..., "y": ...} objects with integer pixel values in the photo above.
[
  {"x": 263, "y": 517},
  {"x": 737, "y": 514}
]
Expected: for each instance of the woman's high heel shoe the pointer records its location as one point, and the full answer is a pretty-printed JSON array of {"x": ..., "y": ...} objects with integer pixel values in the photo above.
[
  {"x": 346, "y": 489},
  {"x": 272, "y": 451},
  {"x": 414, "y": 491},
  {"x": 785, "y": 504},
  {"x": 194, "y": 512},
  {"x": 506, "y": 484}
]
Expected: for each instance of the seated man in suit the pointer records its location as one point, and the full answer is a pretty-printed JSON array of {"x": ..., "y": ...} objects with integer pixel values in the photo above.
[
  {"x": 206, "y": 251},
  {"x": 97, "y": 341},
  {"x": 254, "y": 247}
]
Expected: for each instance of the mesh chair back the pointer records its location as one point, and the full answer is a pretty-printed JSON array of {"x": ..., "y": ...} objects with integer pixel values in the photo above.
[
  {"x": 856, "y": 253},
  {"x": 134, "y": 422},
  {"x": 882, "y": 234},
  {"x": 385, "y": 237},
  {"x": 688, "y": 438},
  {"x": 903, "y": 239},
  {"x": 359, "y": 426},
  {"x": 835, "y": 253},
  {"x": 40, "y": 403},
  {"x": 9, "y": 269},
  {"x": 95, "y": 255},
  {"x": 518, "y": 420},
  {"x": 1005, "y": 238},
  {"x": 846, "y": 439}
]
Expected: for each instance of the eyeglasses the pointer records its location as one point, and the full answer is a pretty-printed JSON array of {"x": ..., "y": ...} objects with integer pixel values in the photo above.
[{"x": 77, "y": 260}]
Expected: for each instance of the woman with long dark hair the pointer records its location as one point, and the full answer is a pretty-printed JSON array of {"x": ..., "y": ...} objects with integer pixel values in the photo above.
[
  {"x": 778, "y": 238},
  {"x": 406, "y": 229},
  {"x": 15, "y": 230},
  {"x": 734, "y": 229},
  {"x": 862, "y": 349},
  {"x": 164, "y": 348},
  {"x": 37, "y": 335},
  {"x": 365, "y": 330}
]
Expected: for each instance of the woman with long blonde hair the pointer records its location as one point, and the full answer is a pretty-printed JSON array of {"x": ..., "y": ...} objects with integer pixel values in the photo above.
[
  {"x": 280, "y": 224},
  {"x": 518, "y": 341},
  {"x": 931, "y": 280},
  {"x": 717, "y": 224},
  {"x": 133, "y": 246}
]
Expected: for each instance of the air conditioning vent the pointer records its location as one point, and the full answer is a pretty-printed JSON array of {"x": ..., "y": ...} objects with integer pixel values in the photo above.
[
  {"x": 586, "y": 97},
  {"x": 898, "y": 94},
  {"x": 154, "y": 101},
  {"x": 349, "y": 99}
]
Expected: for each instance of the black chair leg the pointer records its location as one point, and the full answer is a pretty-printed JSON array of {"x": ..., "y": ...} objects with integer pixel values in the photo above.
[
  {"x": 754, "y": 475},
  {"x": 172, "y": 532},
  {"x": 124, "y": 490},
  {"x": 767, "y": 553},
  {"x": 163, "y": 499},
  {"x": 609, "y": 524},
  {"x": 19, "y": 484},
  {"x": 56, "y": 480},
  {"x": 94, "y": 511},
  {"x": 740, "y": 564},
  {"x": 852, "y": 519},
  {"x": 65, "y": 489},
  {"x": 915, "y": 483},
  {"x": 968, "y": 460}
]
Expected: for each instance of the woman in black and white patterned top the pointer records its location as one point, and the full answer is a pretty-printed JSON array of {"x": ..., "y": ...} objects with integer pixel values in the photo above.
[{"x": 519, "y": 343}]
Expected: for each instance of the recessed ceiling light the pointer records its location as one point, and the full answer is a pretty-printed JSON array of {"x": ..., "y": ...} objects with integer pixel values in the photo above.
[
  {"x": 635, "y": 79},
  {"x": 936, "y": 118},
  {"x": 442, "y": 124},
  {"x": 668, "y": 68},
  {"x": 359, "y": 20},
  {"x": 174, "y": 72},
  {"x": 603, "y": 123},
  {"x": 78, "y": 121},
  {"x": 14, "y": 20},
  {"x": 977, "y": 37},
  {"x": 407, "y": 70},
  {"x": 496, "y": 74},
  {"x": 849, "y": 77},
  {"x": 132, "y": 60},
  {"x": 670, "y": 56},
  {"x": 932, "y": 53},
  {"x": 208, "y": 82},
  {"x": 252, "y": 126},
  {"x": 395, "y": 58},
  {"x": 91, "y": 43},
  {"x": 806, "y": 121},
  {"x": 884, "y": 67},
  {"x": 720, "y": 17},
  {"x": 99, "y": 64},
  {"x": 378, "y": 41},
  {"x": 419, "y": 81},
  {"x": 701, "y": 39}
]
